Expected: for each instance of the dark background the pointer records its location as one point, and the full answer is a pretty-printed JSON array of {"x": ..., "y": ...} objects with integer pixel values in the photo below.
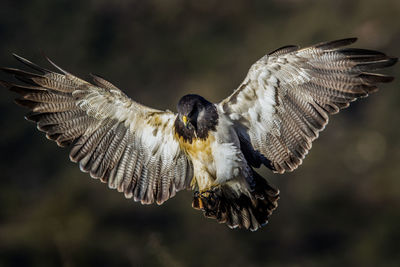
[{"x": 341, "y": 207}]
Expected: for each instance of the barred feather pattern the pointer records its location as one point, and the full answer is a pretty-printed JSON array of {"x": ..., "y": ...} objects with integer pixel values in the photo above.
[
  {"x": 130, "y": 147},
  {"x": 287, "y": 95}
]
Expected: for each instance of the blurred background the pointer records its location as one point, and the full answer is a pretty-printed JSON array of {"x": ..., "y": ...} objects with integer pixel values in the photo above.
[{"x": 341, "y": 207}]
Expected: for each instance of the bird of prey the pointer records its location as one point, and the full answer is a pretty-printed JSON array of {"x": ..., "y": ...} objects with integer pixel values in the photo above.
[{"x": 271, "y": 119}]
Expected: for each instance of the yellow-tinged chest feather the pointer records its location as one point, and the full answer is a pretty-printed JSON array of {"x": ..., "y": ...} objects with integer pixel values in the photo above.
[{"x": 200, "y": 152}]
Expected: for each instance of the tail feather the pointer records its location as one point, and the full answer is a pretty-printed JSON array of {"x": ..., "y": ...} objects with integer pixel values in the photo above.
[{"x": 244, "y": 211}]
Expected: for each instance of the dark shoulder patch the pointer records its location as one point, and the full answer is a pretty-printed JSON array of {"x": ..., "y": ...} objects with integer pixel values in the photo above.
[{"x": 208, "y": 122}]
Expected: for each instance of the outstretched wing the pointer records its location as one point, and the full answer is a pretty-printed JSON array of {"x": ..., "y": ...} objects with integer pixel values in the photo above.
[
  {"x": 127, "y": 145},
  {"x": 285, "y": 100}
]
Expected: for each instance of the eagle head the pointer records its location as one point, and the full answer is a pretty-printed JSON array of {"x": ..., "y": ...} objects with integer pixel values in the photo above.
[{"x": 196, "y": 117}]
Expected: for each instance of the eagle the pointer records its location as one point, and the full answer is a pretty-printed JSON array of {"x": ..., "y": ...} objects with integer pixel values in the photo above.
[{"x": 271, "y": 119}]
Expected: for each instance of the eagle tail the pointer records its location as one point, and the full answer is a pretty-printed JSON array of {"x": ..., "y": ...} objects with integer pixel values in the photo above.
[{"x": 248, "y": 211}]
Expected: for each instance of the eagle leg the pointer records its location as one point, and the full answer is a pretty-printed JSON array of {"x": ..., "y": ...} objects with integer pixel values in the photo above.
[
  {"x": 206, "y": 201},
  {"x": 243, "y": 211}
]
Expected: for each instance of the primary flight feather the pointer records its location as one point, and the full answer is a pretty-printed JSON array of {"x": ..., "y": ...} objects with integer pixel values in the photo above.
[{"x": 149, "y": 155}]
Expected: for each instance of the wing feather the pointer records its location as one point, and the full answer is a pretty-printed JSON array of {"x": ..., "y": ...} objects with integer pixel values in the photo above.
[
  {"x": 130, "y": 147},
  {"x": 285, "y": 100}
]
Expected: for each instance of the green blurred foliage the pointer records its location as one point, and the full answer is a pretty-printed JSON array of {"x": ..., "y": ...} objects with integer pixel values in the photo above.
[{"x": 341, "y": 207}]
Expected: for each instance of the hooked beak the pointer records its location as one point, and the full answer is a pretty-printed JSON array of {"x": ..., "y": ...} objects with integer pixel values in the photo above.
[{"x": 185, "y": 120}]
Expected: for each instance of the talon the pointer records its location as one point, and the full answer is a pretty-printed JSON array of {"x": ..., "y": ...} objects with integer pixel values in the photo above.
[
  {"x": 205, "y": 194},
  {"x": 197, "y": 203},
  {"x": 208, "y": 192},
  {"x": 206, "y": 200}
]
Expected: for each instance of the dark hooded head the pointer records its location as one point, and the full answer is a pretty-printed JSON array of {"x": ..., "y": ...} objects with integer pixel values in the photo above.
[{"x": 196, "y": 117}]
